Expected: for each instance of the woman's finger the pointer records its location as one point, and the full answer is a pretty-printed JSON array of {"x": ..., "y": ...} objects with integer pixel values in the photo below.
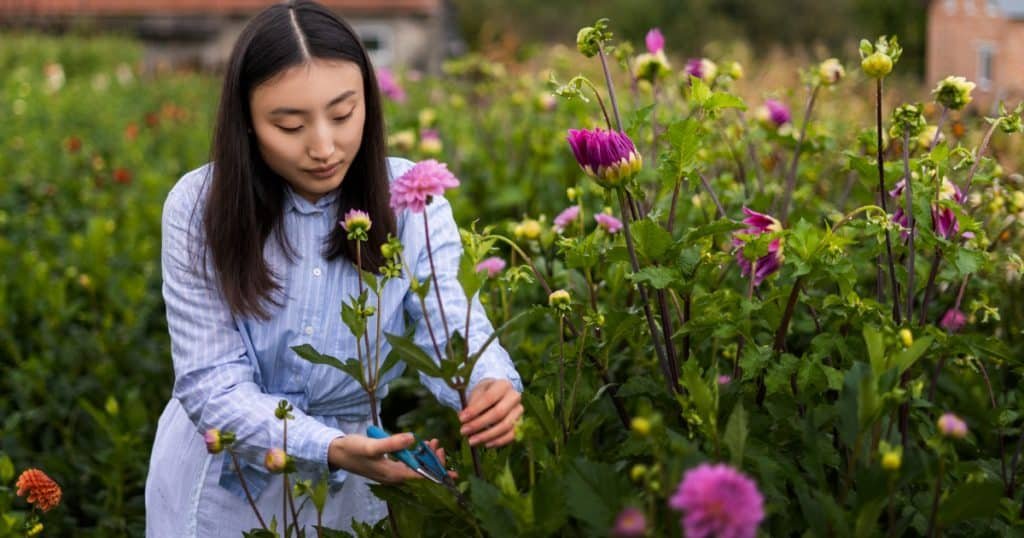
[
  {"x": 499, "y": 410},
  {"x": 501, "y": 428}
]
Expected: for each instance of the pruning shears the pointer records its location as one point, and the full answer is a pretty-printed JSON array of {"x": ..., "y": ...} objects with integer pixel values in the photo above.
[{"x": 422, "y": 459}]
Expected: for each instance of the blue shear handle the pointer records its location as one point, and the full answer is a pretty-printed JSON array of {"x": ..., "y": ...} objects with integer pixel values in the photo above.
[{"x": 403, "y": 455}]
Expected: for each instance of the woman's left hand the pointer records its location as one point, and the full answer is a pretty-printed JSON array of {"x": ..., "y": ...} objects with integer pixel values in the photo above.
[{"x": 491, "y": 414}]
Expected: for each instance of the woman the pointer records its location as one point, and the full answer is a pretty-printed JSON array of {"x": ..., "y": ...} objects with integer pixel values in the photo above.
[{"x": 254, "y": 262}]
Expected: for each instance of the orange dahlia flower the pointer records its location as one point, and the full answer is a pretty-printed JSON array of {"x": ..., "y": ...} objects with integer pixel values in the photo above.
[{"x": 38, "y": 489}]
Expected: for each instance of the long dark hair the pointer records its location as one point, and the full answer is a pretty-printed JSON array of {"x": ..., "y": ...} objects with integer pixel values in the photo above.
[{"x": 245, "y": 200}]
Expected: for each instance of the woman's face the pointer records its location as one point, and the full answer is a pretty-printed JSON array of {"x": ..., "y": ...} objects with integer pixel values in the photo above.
[{"x": 308, "y": 123}]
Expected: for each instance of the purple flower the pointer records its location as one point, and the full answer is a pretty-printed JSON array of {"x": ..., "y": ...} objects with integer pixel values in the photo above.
[
  {"x": 953, "y": 320},
  {"x": 757, "y": 224},
  {"x": 952, "y": 426},
  {"x": 654, "y": 40},
  {"x": 608, "y": 223},
  {"x": 630, "y": 523},
  {"x": 414, "y": 188},
  {"x": 944, "y": 221},
  {"x": 701, "y": 68},
  {"x": 565, "y": 218},
  {"x": 776, "y": 112},
  {"x": 389, "y": 86},
  {"x": 609, "y": 157},
  {"x": 492, "y": 266},
  {"x": 724, "y": 379},
  {"x": 718, "y": 501}
]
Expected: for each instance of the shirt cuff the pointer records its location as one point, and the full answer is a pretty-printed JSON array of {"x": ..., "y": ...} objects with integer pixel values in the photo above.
[{"x": 311, "y": 442}]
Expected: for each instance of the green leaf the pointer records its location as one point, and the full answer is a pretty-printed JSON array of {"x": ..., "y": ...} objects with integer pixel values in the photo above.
[
  {"x": 699, "y": 92},
  {"x": 593, "y": 491},
  {"x": 736, "y": 434},
  {"x": 720, "y": 100},
  {"x": 309, "y": 353},
  {"x": 700, "y": 392},
  {"x": 876, "y": 349},
  {"x": 469, "y": 278},
  {"x": 6, "y": 469},
  {"x": 684, "y": 136},
  {"x": 712, "y": 228},
  {"x": 413, "y": 355},
  {"x": 652, "y": 241},
  {"x": 489, "y": 508},
  {"x": 657, "y": 276},
  {"x": 535, "y": 407},
  {"x": 971, "y": 500},
  {"x": 968, "y": 261},
  {"x": 906, "y": 358}
]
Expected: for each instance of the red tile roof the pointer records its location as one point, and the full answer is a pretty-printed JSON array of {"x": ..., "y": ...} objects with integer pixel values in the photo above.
[{"x": 141, "y": 7}]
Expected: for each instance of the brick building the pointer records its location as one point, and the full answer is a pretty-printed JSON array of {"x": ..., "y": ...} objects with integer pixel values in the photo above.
[
  {"x": 416, "y": 34},
  {"x": 982, "y": 40}
]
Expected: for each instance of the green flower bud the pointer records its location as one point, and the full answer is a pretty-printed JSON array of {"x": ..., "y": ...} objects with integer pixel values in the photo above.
[
  {"x": 877, "y": 65},
  {"x": 953, "y": 92},
  {"x": 907, "y": 119},
  {"x": 559, "y": 299}
]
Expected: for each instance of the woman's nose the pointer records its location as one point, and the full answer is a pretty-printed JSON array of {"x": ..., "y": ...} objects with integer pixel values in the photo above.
[{"x": 321, "y": 144}]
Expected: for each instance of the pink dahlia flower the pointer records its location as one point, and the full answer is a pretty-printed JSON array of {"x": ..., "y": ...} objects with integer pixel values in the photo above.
[
  {"x": 953, "y": 426},
  {"x": 654, "y": 40},
  {"x": 414, "y": 189},
  {"x": 492, "y": 266},
  {"x": 608, "y": 223},
  {"x": 566, "y": 217},
  {"x": 389, "y": 86},
  {"x": 757, "y": 224},
  {"x": 630, "y": 523},
  {"x": 718, "y": 501}
]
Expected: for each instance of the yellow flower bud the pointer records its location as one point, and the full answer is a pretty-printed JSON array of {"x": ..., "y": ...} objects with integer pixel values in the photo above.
[
  {"x": 641, "y": 426},
  {"x": 877, "y": 65},
  {"x": 638, "y": 472},
  {"x": 906, "y": 337},
  {"x": 891, "y": 461}
]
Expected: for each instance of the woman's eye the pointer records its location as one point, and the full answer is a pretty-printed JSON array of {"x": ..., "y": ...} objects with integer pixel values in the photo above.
[
  {"x": 343, "y": 118},
  {"x": 289, "y": 129}
]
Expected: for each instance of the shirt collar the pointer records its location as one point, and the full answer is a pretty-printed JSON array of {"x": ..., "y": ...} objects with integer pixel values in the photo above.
[{"x": 294, "y": 201}]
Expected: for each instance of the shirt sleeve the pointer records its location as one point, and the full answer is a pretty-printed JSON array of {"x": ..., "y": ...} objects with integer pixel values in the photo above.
[
  {"x": 215, "y": 379},
  {"x": 446, "y": 245}
]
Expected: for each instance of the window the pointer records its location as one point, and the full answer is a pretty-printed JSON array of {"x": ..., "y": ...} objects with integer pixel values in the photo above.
[
  {"x": 991, "y": 8},
  {"x": 969, "y": 7},
  {"x": 950, "y": 6},
  {"x": 986, "y": 54},
  {"x": 379, "y": 40}
]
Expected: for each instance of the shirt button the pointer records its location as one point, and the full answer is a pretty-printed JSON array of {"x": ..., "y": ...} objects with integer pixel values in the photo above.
[
  {"x": 317, "y": 271},
  {"x": 309, "y": 330}
]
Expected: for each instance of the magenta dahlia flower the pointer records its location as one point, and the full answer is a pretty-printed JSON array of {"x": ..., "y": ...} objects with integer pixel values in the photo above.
[
  {"x": 944, "y": 221},
  {"x": 608, "y": 223},
  {"x": 701, "y": 68},
  {"x": 654, "y": 40},
  {"x": 757, "y": 224},
  {"x": 609, "y": 157},
  {"x": 776, "y": 112},
  {"x": 415, "y": 188},
  {"x": 718, "y": 501},
  {"x": 566, "y": 217},
  {"x": 389, "y": 86},
  {"x": 630, "y": 523},
  {"x": 492, "y": 266},
  {"x": 953, "y": 320}
]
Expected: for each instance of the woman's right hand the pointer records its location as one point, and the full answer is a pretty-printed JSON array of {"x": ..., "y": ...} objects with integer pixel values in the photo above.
[{"x": 368, "y": 457}]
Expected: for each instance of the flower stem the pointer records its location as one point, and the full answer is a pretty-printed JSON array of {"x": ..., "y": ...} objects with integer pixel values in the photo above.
[
  {"x": 245, "y": 488},
  {"x": 896, "y": 316},
  {"x": 472, "y": 449},
  {"x": 576, "y": 380},
  {"x": 783, "y": 330},
  {"x": 787, "y": 197},
  {"x": 611, "y": 87},
  {"x": 714, "y": 197},
  {"x": 981, "y": 153},
  {"x": 673, "y": 385},
  {"x": 909, "y": 201},
  {"x": 561, "y": 373},
  {"x": 437, "y": 288},
  {"x": 938, "y": 128},
  {"x": 929, "y": 287}
]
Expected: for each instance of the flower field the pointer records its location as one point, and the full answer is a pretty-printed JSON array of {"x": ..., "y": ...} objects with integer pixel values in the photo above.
[{"x": 745, "y": 299}]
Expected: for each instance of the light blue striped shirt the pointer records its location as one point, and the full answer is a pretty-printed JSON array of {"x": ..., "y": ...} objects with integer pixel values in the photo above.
[{"x": 231, "y": 372}]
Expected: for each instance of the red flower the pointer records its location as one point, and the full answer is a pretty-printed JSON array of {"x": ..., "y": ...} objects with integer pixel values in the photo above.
[
  {"x": 122, "y": 176},
  {"x": 73, "y": 144},
  {"x": 131, "y": 131},
  {"x": 38, "y": 489}
]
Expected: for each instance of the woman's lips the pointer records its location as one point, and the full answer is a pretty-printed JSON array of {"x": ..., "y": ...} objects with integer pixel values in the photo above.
[{"x": 324, "y": 173}]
